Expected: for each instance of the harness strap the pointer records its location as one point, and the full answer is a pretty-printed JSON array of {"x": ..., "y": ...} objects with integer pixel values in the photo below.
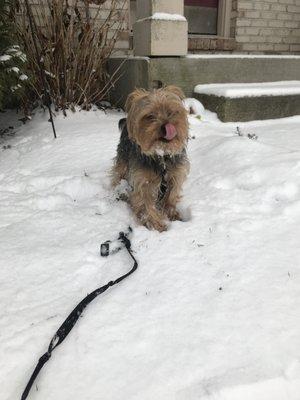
[
  {"x": 73, "y": 317},
  {"x": 163, "y": 187}
]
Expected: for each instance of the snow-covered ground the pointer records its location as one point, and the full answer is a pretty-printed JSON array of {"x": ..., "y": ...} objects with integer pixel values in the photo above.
[{"x": 212, "y": 313}]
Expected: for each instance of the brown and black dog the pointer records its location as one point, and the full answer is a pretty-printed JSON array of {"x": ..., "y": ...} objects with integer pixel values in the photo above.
[{"x": 151, "y": 154}]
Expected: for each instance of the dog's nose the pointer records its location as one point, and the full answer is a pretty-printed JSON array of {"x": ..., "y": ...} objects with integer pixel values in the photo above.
[{"x": 168, "y": 131}]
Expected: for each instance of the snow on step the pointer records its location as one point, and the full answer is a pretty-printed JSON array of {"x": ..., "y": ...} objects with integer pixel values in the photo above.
[
  {"x": 250, "y": 56},
  {"x": 165, "y": 17},
  {"x": 168, "y": 17},
  {"x": 237, "y": 90}
]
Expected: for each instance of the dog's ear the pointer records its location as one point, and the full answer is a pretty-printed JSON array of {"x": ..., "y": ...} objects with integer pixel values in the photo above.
[
  {"x": 175, "y": 90},
  {"x": 133, "y": 97}
]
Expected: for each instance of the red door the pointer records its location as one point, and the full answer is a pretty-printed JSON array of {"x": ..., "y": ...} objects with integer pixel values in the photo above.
[{"x": 201, "y": 16}]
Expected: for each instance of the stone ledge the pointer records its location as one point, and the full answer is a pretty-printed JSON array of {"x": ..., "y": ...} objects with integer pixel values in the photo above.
[
  {"x": 187, "y": 72},
  {"x": 206, "y": 43},
  {"x": 251, "y": 108}
]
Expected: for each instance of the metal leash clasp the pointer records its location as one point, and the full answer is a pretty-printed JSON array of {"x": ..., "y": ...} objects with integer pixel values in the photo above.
[{"x": 114, "y": 246}]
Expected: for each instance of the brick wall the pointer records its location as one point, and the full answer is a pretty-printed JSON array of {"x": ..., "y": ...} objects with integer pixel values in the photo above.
[
  {"x": 268, "y": 26},
  {"x": 123, "y": 41}
]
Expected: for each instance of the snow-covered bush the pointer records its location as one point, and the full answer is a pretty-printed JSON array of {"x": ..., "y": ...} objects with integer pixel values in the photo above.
[
  {"x": 75, "y": 40},
  {"x": 12, "y": 59}
]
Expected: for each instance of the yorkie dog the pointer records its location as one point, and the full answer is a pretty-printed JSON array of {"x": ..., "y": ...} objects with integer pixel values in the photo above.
[{"x": 151, "y": 154}]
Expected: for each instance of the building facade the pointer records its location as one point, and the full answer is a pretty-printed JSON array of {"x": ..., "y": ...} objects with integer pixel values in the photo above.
[{"x": 233, "y": 26}]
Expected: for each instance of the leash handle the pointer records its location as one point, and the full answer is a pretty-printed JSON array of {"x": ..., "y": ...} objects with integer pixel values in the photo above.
[
  {"x": 45, "y": 357},
  {"x": 73, "y": 317}
]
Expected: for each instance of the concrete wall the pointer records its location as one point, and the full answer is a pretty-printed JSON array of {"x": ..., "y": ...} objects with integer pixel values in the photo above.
[
  {"x": 266, "y": 26},
  {"x": 187, "y": 72}
]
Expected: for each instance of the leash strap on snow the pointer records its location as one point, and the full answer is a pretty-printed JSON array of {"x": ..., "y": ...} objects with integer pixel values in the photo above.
[{"x": 73, "y": 317}]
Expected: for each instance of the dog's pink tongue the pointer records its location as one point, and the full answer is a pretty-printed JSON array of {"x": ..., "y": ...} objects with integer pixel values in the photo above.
[{"x": 170, "y": 131}]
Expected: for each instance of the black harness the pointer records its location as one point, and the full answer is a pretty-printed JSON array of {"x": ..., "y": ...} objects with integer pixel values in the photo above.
[{"x": 129, "y": 150}]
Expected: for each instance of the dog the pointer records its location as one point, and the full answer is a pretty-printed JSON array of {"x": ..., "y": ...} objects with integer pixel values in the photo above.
[{"x": 151, "y": 154}]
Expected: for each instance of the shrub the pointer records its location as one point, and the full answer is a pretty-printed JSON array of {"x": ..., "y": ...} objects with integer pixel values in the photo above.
[
  {"x": 12, "y": 59},
  {"x": 74, "y": 42}
]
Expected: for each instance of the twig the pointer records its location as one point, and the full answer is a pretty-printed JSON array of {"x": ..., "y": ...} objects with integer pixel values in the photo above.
[{"x": 47, "y": 97}]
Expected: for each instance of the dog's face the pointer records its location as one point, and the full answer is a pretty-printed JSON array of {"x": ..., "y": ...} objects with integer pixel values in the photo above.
[{"x": 157, "y": 120}]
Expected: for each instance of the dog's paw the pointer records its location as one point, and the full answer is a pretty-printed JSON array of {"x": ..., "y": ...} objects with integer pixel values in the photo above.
[
  {"x": 173, "y": 214},
  {"x": 158, "y": 225}
]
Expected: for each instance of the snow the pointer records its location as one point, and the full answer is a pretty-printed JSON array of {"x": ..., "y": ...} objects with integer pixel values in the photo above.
[
  {"x": 165, "y": 17},
  {"x": 5, "y": 57},
  {"x": 131, "y": 57},
  {"x": 212, "y": 313},
  {"x": 23, "y": 77},
  {"x": 236, "y": 55},
  {"x": 194, "y": 106},
  {"x": 14, "y": 69},
  {"x": 237, "y": 90},
  {"x": 15, "y": 87},
  {"x": 168, "y": 17}
]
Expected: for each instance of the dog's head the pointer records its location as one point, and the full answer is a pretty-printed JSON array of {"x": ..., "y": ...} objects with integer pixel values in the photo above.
[{"x": 157, "y": 120}]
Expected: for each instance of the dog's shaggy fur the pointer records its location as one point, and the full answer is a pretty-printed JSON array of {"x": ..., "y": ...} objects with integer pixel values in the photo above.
[{"x": 151, "y": 154}]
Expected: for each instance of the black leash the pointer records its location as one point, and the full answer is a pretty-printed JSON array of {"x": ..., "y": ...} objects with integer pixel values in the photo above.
[{"x": 73, "y": 317}]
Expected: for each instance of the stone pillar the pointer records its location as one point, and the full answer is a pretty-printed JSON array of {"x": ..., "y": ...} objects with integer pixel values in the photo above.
[{"x": 160, "y": 28}]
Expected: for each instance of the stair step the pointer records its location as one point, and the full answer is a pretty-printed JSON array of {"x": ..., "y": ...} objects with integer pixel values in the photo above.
[{"x": 251, "y": 101}]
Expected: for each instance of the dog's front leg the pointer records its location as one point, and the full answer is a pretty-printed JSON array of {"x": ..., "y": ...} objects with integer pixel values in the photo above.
[
  {"x": 174, "y": 180},
  {"x": 144, "y": 196}
]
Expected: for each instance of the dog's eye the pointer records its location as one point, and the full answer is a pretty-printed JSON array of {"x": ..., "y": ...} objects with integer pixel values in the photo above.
[{"x": 149, "y": 117}]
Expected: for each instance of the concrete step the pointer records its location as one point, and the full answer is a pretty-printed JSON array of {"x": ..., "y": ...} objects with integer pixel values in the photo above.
[{"x": 251, "y": 101}]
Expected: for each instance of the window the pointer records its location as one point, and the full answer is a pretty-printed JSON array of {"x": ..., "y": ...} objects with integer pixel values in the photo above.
[{"x": 202, "y": 16}]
